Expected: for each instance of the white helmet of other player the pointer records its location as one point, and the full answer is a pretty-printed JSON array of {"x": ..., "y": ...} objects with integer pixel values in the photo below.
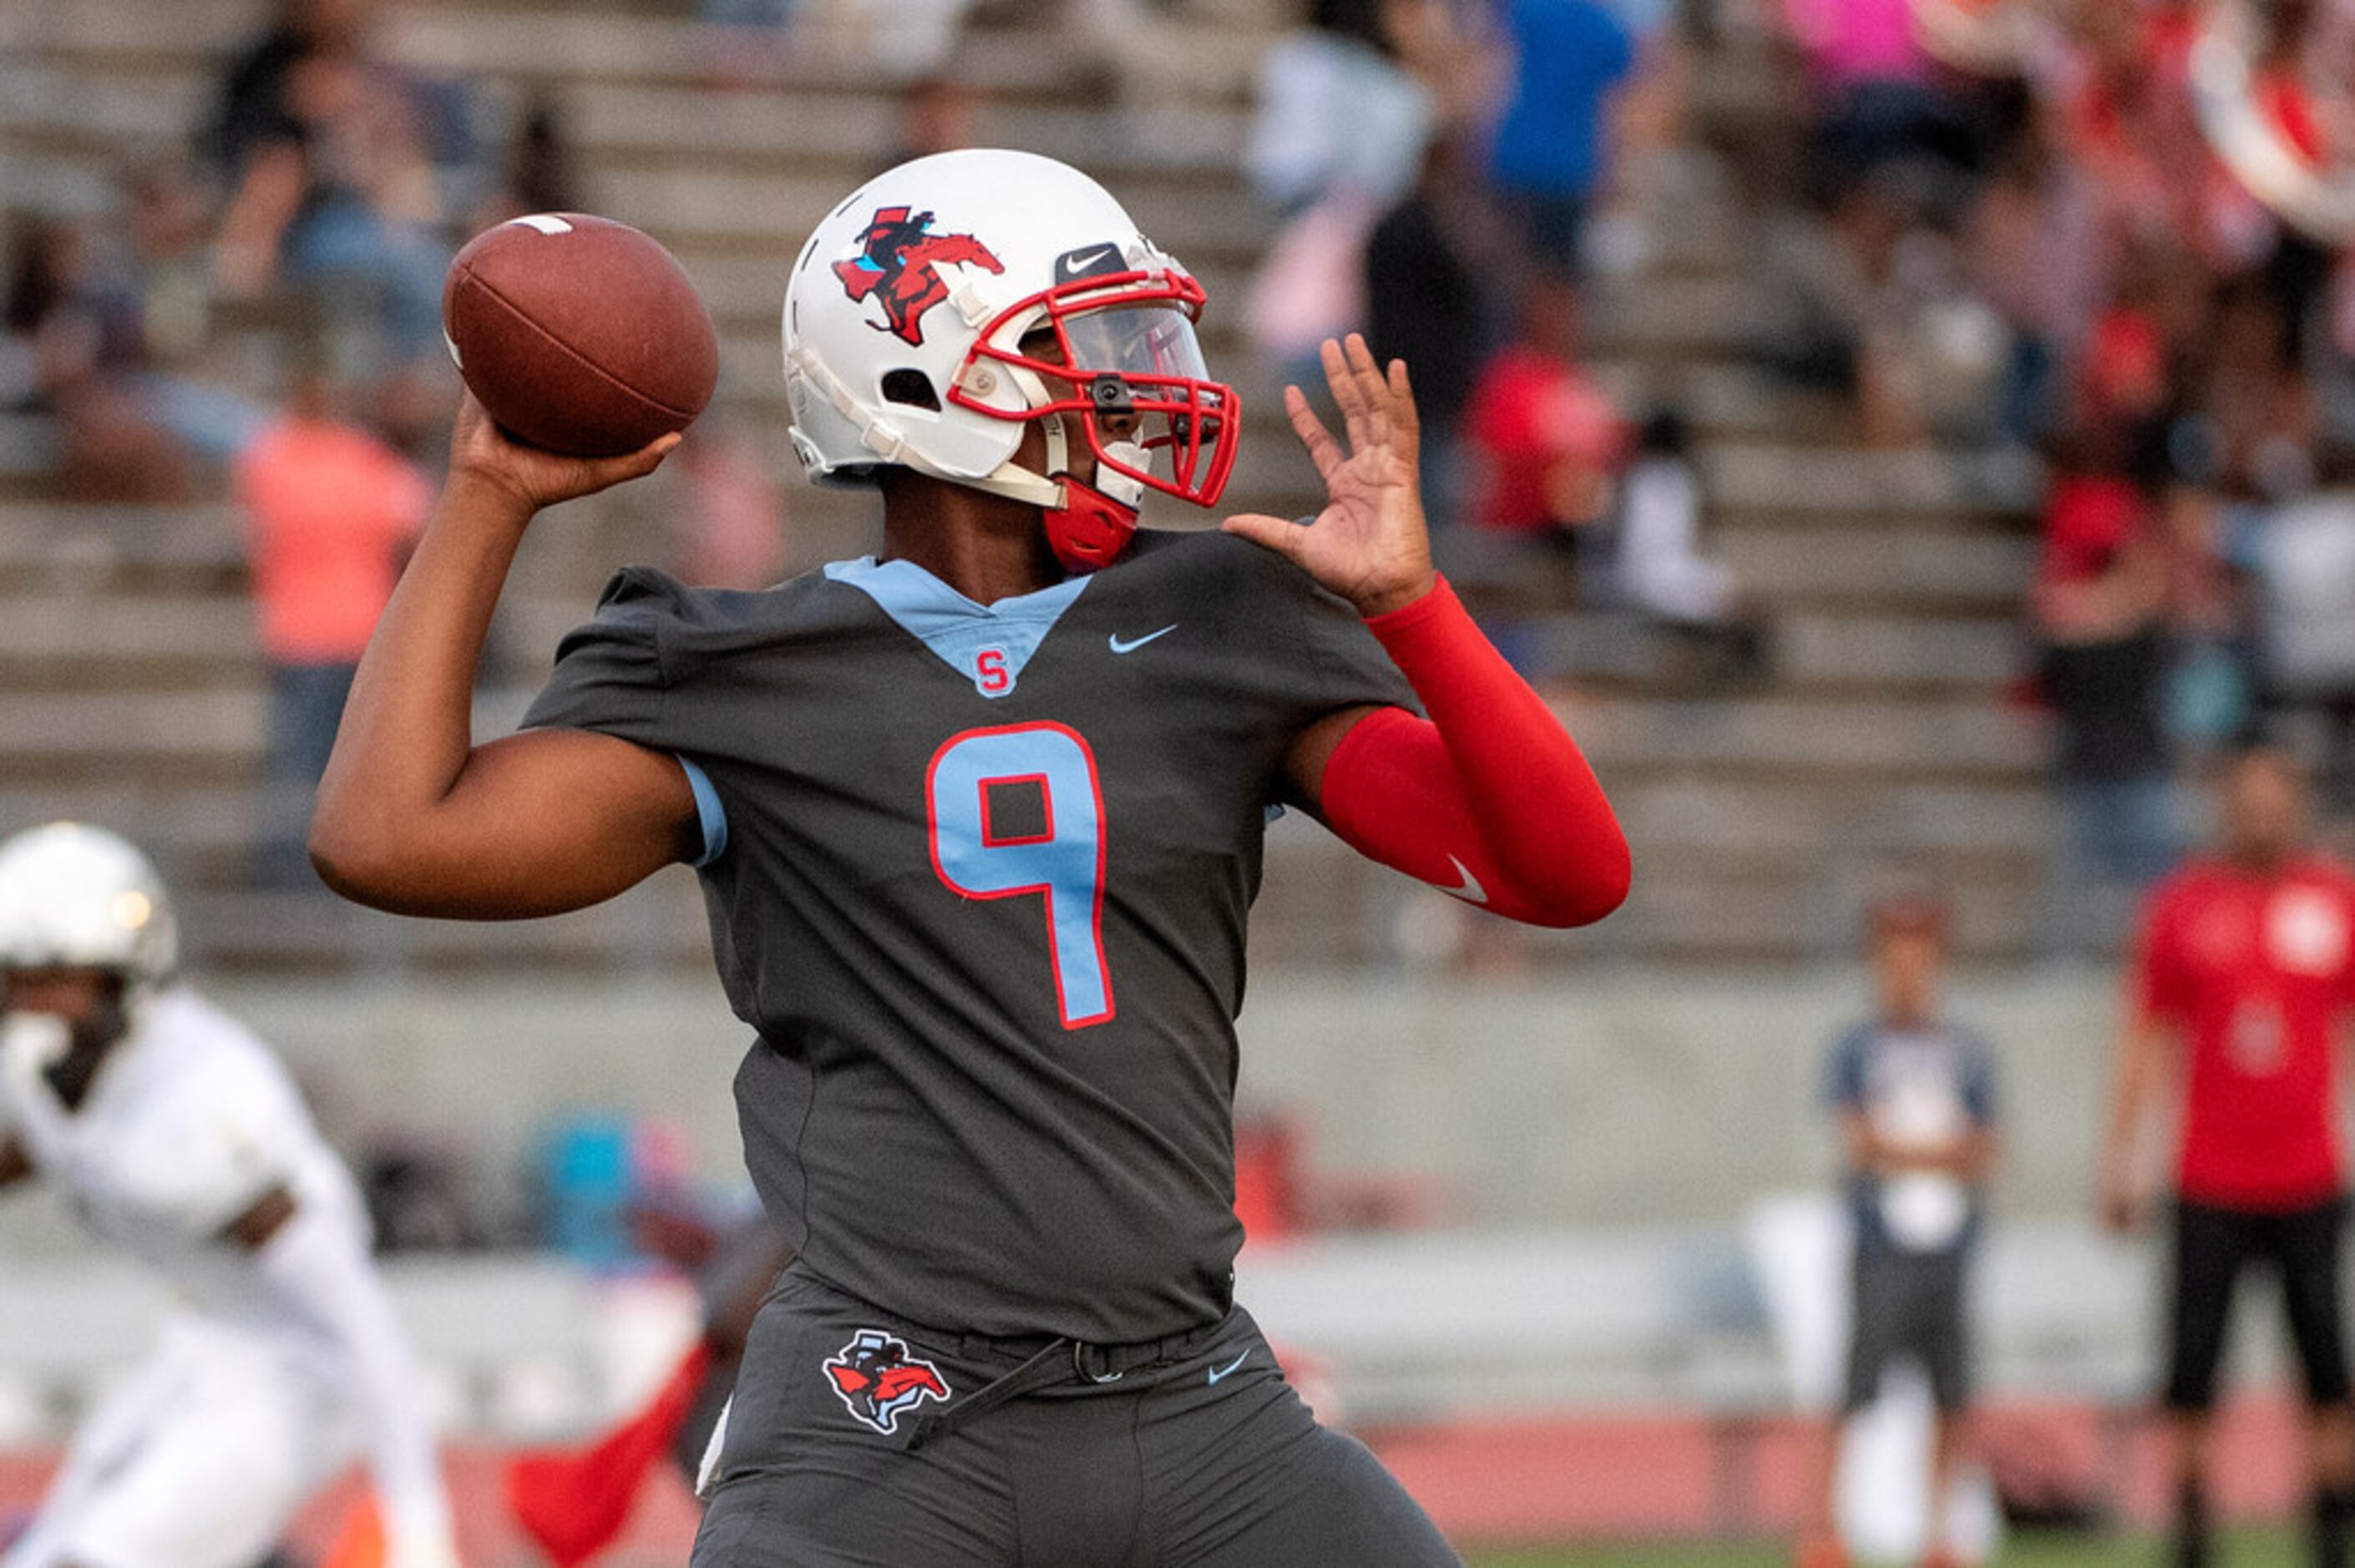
[
  {"x": 905, "y": 323},
  {"x": 78, "y": 897}
]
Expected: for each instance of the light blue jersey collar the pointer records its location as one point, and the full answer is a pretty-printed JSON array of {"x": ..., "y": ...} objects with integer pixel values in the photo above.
[{"x": 987, "y": 643}]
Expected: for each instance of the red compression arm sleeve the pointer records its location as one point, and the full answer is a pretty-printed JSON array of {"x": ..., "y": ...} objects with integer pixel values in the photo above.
[{"x": 1490, "y": 797}]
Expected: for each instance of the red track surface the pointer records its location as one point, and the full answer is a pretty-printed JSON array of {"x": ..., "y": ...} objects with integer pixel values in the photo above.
[{"x": 1663, "y": 1473}]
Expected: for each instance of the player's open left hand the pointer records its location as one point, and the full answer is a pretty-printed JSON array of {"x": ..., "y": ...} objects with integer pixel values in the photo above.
[
  {"x": 481, "y": 453},
  {"x": 1370, "y": 545}
]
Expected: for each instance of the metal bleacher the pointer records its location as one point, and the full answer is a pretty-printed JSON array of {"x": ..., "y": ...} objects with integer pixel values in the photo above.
[{"x": 129, "y": 688}]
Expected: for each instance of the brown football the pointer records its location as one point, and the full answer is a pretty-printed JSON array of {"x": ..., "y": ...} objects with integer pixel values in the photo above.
[{"x": 578, "y": 333}]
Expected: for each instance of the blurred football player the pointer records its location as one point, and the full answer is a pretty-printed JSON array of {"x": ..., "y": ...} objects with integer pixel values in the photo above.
[
  {"x": 178, "y": 1137},
  {"x": 2238, "y": 1007},
  {"x": 979, "y": 824}
]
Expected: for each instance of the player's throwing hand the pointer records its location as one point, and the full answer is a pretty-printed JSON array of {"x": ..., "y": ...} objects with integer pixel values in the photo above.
[
  {"x": 1370, "y": 545},
  {"x": 481, "y": 453}
]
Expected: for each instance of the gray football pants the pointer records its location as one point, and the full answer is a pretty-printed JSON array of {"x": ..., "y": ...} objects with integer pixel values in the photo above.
[{"x": 1203, "y": 1455}]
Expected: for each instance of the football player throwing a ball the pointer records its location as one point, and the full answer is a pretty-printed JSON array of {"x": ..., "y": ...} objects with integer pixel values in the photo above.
[{"x": 979, "y": 822}]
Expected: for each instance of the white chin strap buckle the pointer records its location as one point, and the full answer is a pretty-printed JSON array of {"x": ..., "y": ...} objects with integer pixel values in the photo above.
[{"x": 1129, "y": 491}]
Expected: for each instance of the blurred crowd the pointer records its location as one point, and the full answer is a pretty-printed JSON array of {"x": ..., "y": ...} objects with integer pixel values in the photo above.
[
  {"x": 2023, "y": 235},
  {"x": 256, "y": 313},
  {"x": 1451, "y": 175},
  {"x": 2008, "y": 232}
]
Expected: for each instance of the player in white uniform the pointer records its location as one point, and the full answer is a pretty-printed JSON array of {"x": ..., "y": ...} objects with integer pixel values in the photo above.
[{"x": 176, "y": 1136}]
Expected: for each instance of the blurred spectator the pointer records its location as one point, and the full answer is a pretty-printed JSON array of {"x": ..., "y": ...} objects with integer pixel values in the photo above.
[
  {"x": 2237, "y": 1012},
  {"x": 936, "y": 115},
  {"x": 1876, "y": 91},
  {"x": 1430, "y": 271},
  {"x": 2306, "y": 558},
  {"x": 160, "y": 272},
  {"x": 2100, "y": 604},
  {"x": 1659, "y": 568},
  {"x": 2255, "y": 407},
  {"x": 1338, "y": 140},
  {"x": 330, "y": 158},
  {"x": 1915, "y": 1098},
  {"x": 537, "y": 175},
  {"x": 898, "y": 39},
  {"x": 2212, "y": 609},
  {"x": 329, "y": 512},
  {"x": 2121, "y": 91},
  {"x": 2034, "y": 245},
  {"x": 1650, "y": 171},
  {"x": 1552, "y": 146},
  {"x": 1549, "y": 439},
  {"x": 1870, "y": 305},
  {"x": 73, "y": 351},
  {"x": 727, "y": 522},
  {"x": 1338, "y": 112}
]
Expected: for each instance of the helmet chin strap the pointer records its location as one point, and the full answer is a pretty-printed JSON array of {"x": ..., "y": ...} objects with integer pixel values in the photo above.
[{"x": 1087, "y": 525}]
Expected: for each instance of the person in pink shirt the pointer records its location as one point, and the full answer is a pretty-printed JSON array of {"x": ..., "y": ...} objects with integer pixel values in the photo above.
[
  {"x": 1849, "y": 42},
  {"x": 1878, "y": 93},
  {"x": 330, "y": 512}
]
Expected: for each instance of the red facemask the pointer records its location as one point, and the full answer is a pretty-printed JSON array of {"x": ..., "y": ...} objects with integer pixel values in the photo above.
[{"x": 1192, "y": 422}]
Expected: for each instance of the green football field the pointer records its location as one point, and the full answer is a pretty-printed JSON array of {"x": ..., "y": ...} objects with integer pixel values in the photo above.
[{"x": 2245, "y": 1550}]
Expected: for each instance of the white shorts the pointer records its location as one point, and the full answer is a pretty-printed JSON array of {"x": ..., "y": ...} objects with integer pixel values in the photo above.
[{"x": 198, "y": 1461}]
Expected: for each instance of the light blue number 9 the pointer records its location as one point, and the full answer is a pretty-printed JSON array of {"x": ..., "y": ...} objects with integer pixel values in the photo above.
[{"x": 1063, "y": 864}]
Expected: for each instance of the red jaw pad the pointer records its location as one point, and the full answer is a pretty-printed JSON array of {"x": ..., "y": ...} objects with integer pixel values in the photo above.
[{"x": 1090, "y": 529}]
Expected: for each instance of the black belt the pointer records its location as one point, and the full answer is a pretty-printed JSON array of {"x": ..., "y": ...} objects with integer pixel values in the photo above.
[{"x": 1051, "y": 1362}]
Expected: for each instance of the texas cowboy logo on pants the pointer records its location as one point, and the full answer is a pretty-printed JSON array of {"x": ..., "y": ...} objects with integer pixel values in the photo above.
[{"x": 879, "y": 1381}]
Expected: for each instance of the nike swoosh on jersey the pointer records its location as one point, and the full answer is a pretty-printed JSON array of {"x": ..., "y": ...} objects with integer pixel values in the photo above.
[
  {"x": 1120, "y": 647},
  {"x": 1469, "y": 889},
  {"x": 1218, "y": 1372}
]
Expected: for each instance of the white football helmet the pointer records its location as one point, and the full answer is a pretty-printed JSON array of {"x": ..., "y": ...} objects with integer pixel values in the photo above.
[
  {"x": 79, "y": 897},
  {"x": 905, "y": 324}
]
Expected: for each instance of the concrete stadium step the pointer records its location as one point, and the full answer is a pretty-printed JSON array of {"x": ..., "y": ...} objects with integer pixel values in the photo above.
[
  {"x": 209, "y": 735},
  {"x": 51, "y": 642},
  {"x": 1321, "y": 905},
  {"x": 856, "y": 126},
  {"x": 61, "y": 546},
  {"x": 123, "y": 36},
  {"x": 1667, "y": 318},
  {"x": 1820, "y": 652},
  {"x": 1882, "y": 652},
  {"x": 1911, "y": 568},
  {"x": 1710, "y": 814},
  {"x": 1805, "y": 736},
  {"x": 1218, "y": 221},
  {"x": 543, "y": 47},
  {"x": 1863, "y": 484},
  {"x": 657, "y": 926},
  {"x": 1715, "y": 918},
  {"x": 96, "y": 112}
]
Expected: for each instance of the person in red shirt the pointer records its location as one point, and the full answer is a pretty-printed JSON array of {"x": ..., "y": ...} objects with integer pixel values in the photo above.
[
  {"x": 2245, "y": 977},
  {"x": 1550, "y": 439},
  {"x": 330, "y": 511}
]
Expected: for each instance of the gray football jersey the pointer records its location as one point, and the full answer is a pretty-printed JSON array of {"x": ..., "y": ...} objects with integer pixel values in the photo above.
[{"x": 980, "y": 881}]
